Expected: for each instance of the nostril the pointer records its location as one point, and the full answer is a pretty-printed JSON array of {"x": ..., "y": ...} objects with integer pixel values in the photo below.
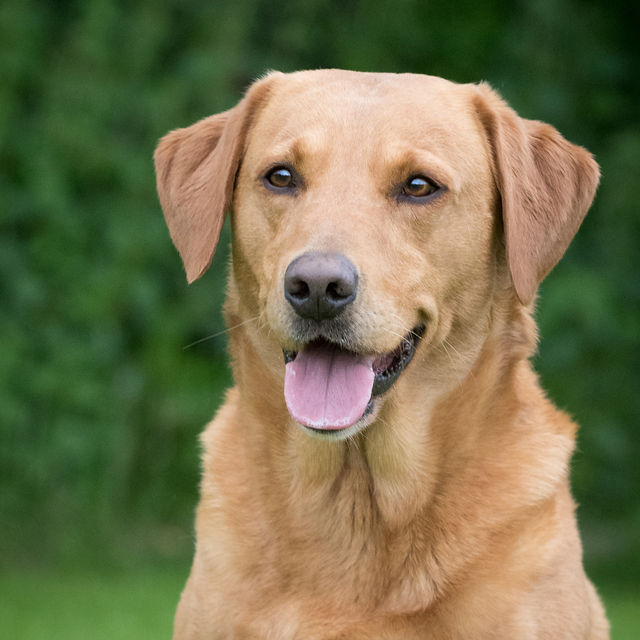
[
  {"x": 298, "y": 289},
  {"x": 339, "y": 290}
]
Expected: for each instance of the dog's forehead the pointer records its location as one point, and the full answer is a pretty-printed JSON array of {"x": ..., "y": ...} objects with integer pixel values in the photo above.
[{"x": 333, "y": 106}]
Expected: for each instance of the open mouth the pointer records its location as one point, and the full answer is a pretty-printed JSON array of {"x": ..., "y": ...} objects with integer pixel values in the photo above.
[{"x": 328, "y": 387}]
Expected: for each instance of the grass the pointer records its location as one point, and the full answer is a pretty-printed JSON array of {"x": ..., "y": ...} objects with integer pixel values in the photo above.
[
  {"x": 112, "y": 606},
  {"x": 623, "y": 610},
  {"x": 141, "y": 604}
]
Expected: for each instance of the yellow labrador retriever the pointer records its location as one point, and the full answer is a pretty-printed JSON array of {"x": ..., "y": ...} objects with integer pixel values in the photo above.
[{"x": 386, "y": 466}]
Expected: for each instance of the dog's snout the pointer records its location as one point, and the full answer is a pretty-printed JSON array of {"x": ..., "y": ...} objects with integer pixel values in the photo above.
[{"x": 320, "y": 286}]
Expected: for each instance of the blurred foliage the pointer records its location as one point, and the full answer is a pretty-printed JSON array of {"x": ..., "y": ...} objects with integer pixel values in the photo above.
[{"x": 100, "y": 401}]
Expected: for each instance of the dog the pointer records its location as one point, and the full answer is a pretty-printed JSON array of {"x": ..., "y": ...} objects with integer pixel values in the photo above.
[{"x": 386, "y": 465}]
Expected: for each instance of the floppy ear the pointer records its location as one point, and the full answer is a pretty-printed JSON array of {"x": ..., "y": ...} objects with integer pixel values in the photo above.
[
  {"x": 195, "y": 172},
  {"x": 546, "y": 185}
]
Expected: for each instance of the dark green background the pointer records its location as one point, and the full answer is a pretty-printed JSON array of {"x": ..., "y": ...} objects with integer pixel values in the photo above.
[{"x": 100, "y": 402}]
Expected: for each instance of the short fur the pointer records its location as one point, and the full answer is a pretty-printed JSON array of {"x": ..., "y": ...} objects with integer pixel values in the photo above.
[{"x": 449, "y": 515}]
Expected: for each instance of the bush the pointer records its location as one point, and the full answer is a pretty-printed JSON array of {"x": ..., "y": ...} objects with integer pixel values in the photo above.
[{"x": 100, "y": 402}]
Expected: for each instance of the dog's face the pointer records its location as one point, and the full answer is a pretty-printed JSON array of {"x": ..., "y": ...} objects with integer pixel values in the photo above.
[
  {"x": 370, "y": 217},
  {"x": 364, "y": 213}
]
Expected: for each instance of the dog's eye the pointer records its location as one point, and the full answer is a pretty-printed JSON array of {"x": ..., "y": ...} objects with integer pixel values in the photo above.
[
  {"x": 419, "y": 187},
  {"x": 280, "y": 177}
]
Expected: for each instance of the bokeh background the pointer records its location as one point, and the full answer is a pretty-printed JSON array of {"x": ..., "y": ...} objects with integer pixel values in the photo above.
[{"x": 101, "y": 395}]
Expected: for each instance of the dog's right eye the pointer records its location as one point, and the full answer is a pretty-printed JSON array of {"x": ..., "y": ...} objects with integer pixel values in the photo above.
[
  {"x": 280, "y": 177},
  {"x": 419, "y": 187}
]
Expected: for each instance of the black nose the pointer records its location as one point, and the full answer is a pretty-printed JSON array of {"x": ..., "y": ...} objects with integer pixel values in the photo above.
[{"x": 320, "y": 286}]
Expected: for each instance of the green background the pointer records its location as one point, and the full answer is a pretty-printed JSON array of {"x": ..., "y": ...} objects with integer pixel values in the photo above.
[{"x": 102, "y": 399}]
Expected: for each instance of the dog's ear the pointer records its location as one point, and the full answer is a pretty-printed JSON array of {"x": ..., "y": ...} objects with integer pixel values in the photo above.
[
  {"x": 546, "y": 185},
  {"x": 196, "y": 169}
]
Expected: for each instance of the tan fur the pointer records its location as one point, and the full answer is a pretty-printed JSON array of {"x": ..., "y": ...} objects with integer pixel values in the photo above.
[{"x": 449, "y": 516}]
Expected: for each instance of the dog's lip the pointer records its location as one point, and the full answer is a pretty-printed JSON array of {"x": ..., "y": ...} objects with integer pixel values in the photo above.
[{"x": 386, "y": 367}]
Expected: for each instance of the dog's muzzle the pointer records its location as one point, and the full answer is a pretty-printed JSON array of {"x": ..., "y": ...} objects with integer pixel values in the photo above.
[{"x": 329, "y": 387}]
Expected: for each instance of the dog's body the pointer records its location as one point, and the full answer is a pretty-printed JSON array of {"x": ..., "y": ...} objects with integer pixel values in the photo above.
[{"x": 410, "y": 498}]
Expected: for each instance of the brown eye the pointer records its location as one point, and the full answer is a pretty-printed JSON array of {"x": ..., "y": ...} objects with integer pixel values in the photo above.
[
  {"x": 280, "y": 177},
  {"x": 419, "y": 187}
]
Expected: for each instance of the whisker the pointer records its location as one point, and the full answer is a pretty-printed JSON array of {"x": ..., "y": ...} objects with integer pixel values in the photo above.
[
  {"x": 215, "y": 335},
  {"x": 453, "y": 365},
  {"x": 402, "y": 326},
  {"x": 365, "y": 432},
  {"x": 393, "y": 333},
  {"x": 461, "y": 358},
  {"x": 383, "y": 421}
]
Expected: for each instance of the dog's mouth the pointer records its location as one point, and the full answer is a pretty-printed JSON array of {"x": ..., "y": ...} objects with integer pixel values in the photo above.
[{"x": 331, "y": 388}]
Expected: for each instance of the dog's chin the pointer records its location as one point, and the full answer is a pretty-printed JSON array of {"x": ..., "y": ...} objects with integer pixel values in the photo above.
[{"x": 334, "y": 393}]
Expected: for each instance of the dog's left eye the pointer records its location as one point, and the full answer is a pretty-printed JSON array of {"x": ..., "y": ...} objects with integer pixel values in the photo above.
[
  {"x": 280, "y": 177},
  {"x": 419, "y": 187}
]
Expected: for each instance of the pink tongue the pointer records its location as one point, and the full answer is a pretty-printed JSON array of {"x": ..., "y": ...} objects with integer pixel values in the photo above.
[{"x": 326, "y": 387}]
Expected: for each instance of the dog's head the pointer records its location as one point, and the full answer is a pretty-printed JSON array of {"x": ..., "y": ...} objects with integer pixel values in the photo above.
[{"x": 372, "y": 215}]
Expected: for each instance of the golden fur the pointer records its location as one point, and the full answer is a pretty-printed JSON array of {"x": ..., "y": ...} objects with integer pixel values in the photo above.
[{"x": 448, "y": 515}]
